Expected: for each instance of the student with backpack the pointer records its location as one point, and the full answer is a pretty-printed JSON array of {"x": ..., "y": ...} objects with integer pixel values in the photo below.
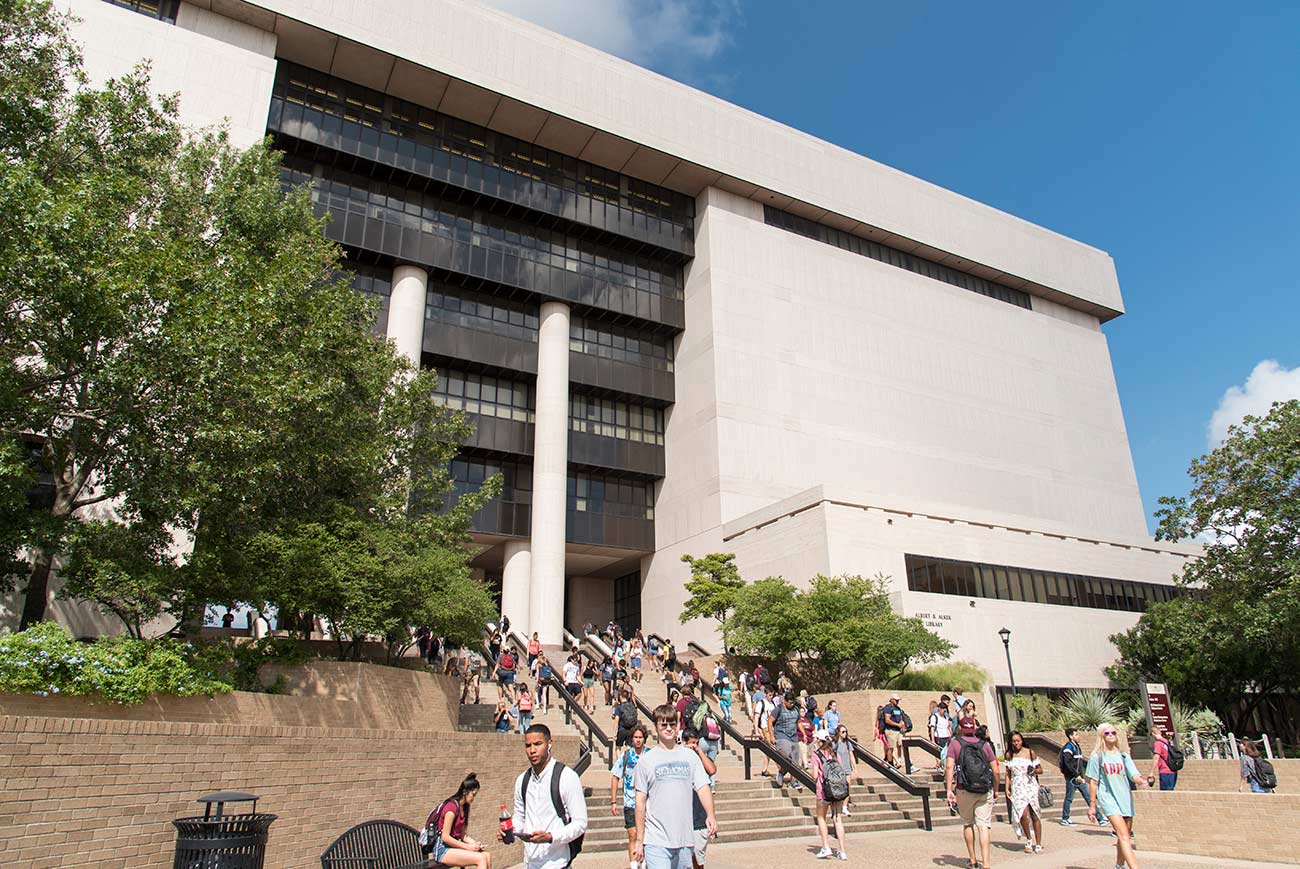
[
  {"x": 1256, "y": 770},
  {"x": 625, "y": 714},
  {"x": 700, "y": 819},
  {"x": 832, "y": 790},
  {"x": 1168, "y": 759},
  {"x": 444, "y": 836},
  {"x": 1112, "y": 775},
  {"x": 623, "y": 774},
  {"x": 723, "y": 691},
  {"x": 550, "y": 815},
  {"x": 505, "y": 672},
  {"x": 971, "y": 774},
  {"x": 665, "y": 779},
  {"x": 525, "y": 705},
  {"x": 1072, "y": 765}
]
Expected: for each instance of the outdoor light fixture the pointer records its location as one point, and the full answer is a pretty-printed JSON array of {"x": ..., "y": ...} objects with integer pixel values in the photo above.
[{"x": 1005, "y": 634}]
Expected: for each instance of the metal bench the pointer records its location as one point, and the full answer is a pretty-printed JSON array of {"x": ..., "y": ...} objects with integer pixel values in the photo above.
[{"x": 377, "y": 845}]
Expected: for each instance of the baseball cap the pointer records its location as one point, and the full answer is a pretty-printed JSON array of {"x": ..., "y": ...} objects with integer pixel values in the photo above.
[
  {"x": 895, "y": 696},
  {"x": 968, "y": 729},
  {"x": 823, "y": 735}
]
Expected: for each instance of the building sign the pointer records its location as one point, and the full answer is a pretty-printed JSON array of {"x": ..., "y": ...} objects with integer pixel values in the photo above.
[
  {"x": 1155, "y": 698},
  {"x": 933, "y": 621}
]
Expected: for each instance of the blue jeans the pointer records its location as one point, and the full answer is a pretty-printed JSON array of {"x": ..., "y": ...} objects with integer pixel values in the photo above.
[
  {"x": 525, "y": 721},
  {"x": 659, "y": 857},
  {"x": 1070, "y": 786},
  {"x": 1168, "y": 780},
  {"x": 711, "y": 751},
  {"x": 1257, "y": 788}
]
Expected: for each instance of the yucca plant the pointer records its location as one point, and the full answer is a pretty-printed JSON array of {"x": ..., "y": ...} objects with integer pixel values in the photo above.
[{"x": 1088, "y": 708}]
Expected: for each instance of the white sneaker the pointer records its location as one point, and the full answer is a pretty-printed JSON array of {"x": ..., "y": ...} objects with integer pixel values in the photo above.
[
  {"x": 824, "y": 853},
  {"x": 841, "y": 855}
]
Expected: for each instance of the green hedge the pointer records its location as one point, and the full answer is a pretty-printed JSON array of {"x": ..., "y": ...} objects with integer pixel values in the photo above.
[{"x": 45, "y": 660}]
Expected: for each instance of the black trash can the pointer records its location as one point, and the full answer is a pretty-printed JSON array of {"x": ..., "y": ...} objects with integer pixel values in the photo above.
[{"x": 222, "y": 841}]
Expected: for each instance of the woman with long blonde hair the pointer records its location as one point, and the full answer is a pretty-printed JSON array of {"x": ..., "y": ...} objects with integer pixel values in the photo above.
[{"x": 1111, "y": 775}]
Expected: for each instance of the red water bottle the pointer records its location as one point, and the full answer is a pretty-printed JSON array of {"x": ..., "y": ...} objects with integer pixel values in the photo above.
[{"x": 507, "y": 827}]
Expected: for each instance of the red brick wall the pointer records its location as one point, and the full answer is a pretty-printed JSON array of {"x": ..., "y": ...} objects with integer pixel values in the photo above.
[{"x": 101, "y": 793}]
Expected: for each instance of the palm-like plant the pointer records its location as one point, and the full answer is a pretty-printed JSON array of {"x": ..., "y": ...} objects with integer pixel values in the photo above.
[{"x": 1088, "y": 708}]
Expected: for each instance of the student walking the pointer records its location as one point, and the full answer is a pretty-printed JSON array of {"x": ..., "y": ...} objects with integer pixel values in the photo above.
[
  {"x": 806, "y": 729},
  {"x": 785, "y": 730},
  {"x": 1073, "y": 765},
  {"x": 505, "y": 673},
  {"x": 444, "y": 836},
  {"x": 723, "y": 692},
  {"x": 572, "y": 681},
  {"x": 502, "y": 718},
  {"x": 625, "y": 716},
  {"x": 549, "y": 806},
  {"x": 589, "y": 674},
  {"x": 664, "y": 780},
  {"x": 525, "y": 705},
  {"x": 940, "y": 726},
  {"x": 1166, "y": 761},
  {"x": 831, "y": 720},
  {"x": 1256, "y": 771},
  {"x": 971, "y": 775},
  {"x": 893, "y": 730},
  {"x": 699, "y": 818},
  {"x": 545, "y": 678},
  {"x": 534, "y": 652},
  {"x": 1022, "y": 769},
  {"x": 473, "y": 664},
  {"x": 844, "y": 752},
  {"x": 832, "y": 790},
  {"x": 622, "y": 777},
  {"x": 1111, "y": 778}
]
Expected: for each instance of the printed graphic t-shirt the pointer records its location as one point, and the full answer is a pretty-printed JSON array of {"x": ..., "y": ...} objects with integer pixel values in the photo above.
[
  {"x": 625, "y": 769},
  {"x": 1113, "y": 772},
  {"x": 668, "y": 779}
]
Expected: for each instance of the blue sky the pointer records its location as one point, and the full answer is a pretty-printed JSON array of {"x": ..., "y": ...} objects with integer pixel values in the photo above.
[{"x": 1166, "y": 134}]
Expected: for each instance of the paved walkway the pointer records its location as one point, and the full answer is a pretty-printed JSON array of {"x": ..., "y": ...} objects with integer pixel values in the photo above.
[{"x": 1066, "y": 848}]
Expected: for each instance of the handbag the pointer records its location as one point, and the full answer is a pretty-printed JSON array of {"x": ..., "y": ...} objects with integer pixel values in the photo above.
[{"x": 1044, "y": 797}]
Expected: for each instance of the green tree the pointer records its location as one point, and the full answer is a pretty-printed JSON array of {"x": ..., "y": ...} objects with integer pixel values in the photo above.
[
  {"x": 1233, "y": 637},
  {"x": 715, "y": 581},
  {"x": 842, "y": 629},
  {"x": 181, "y": 340}
]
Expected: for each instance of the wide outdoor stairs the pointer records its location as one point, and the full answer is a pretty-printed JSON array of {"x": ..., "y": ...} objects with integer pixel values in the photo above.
[{"x": 747, "y": 811}]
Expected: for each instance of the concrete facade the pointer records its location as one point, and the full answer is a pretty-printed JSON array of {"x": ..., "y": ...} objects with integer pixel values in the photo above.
[{"x": 828, "y": 412}]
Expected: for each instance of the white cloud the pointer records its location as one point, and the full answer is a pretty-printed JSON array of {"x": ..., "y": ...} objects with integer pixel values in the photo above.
[
  {"x": 675, "y": 37},
  {"x": 1269, "y": 382}
]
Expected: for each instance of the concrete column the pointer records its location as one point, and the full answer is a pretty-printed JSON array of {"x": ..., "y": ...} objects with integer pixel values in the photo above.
[
  {"x": 406, "y": 310},
  {"x": 515, "y": 573},
  {"x": 550, "y": 474}
]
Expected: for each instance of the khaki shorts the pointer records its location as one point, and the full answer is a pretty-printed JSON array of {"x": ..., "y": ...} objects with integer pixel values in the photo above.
[
  {"x": 701, "y": 845},
  {"x": 976, "y": 810},
  {"x": 895, "y": 739}
]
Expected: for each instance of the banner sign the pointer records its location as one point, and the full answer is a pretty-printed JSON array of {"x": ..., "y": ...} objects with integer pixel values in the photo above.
[{"x": 1155, "y": 699}]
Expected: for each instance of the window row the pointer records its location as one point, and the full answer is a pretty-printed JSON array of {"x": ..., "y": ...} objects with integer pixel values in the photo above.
[
  {"x": 610, "y": 417},
  {"x": 485, "y": 394},
  {"x": 311, "y": 105},
  {"x": 163, "y": 10},
  {"x": 610, "y": 496},
  {"x": 969, "y": 579},
  {"x": 375, "y": 282},
  {"x": 620, "y": 343},
  {"x": 587, "y": 493},
  {"x": 465, "y": 225},
  {"x": 892, "y": 256},
  {"x": 481, "y": 312}
]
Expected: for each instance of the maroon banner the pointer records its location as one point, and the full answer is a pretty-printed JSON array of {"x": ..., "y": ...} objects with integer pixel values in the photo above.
[{"x": 1155, "y": 697}]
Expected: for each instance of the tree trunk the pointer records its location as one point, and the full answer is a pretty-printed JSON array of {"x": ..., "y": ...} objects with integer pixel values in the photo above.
[{"x": 38, "y": 590}]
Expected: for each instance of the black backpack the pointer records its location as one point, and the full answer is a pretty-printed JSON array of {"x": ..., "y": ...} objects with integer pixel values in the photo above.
[
  {"x": 627, "y": 715},
  {"x": 907, "y": 721},
  {"x": 575, "y": 847},
  {"x": 974, "y": 772},
  {"x": 1264, "y": 773},
  {"x": 1068, "y": 763},
  {"x": 1174, "y": 756}
]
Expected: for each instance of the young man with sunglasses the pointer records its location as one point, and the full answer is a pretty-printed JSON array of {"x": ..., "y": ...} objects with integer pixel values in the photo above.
[{"x": 665, "y": 780}]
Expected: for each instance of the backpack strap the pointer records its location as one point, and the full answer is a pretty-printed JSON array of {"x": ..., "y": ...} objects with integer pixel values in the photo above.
[{"x": 556, "y": 800}]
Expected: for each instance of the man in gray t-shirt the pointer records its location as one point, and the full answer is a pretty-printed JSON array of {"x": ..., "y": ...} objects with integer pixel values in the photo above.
[
  {"x": 664, "y": 780},
  {"x": 785, "y": 726}
]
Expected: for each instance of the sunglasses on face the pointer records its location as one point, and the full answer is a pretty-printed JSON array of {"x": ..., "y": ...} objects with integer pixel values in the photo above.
[{"x": 1109, "y": 733}]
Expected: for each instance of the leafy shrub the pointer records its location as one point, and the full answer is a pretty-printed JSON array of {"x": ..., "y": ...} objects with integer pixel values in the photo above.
[
  {"x": 943, "y": 676},
  {"x": 1037, "y": 713},
  {"x": 45, "y": 660},
  {"x": 1087, "y": 709}
]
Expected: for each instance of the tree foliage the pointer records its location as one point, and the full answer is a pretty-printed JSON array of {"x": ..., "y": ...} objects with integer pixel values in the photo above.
[
  {"x": 180, "y": 339},
  {"x": 843, "y": 629},
  {"x": 714, "y": 584},
  {"x": 1234, "y": 635}
]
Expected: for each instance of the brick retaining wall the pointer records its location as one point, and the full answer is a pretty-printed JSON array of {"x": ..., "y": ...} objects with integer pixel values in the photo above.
[
  {"x": 1245, "y": 826},
  {"x": 105, "y": 790}
]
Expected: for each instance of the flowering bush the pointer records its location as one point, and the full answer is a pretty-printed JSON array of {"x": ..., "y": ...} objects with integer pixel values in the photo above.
[{"x": 45, "y": 660}]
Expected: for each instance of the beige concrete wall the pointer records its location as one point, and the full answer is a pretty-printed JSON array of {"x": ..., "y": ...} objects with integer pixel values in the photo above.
[
  {"x": 223, "y": 68},
  {"x": 507, "y": 56}
]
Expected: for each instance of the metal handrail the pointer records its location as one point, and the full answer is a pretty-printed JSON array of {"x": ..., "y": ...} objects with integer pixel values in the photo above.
[
  {"x": 897, "y": 778},
  {"x": 782, "y": 762},
  {"x": 921, "y": 742}
]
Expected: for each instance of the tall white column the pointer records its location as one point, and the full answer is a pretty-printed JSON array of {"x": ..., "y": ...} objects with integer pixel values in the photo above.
[
  {"x": 515, "y": 573},
  {"x": 406, "y": 310},
  {"x": 550, "y": 474}
]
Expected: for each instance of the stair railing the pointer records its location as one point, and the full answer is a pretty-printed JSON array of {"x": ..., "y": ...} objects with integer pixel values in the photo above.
[
  {"x": 897, "y": 778},
  {"x": 572, "y": 707},
  {"x": 921, "y": 742}
]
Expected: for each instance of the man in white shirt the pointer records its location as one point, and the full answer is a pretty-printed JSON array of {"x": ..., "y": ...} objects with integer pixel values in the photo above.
[
  {"x": 665, "y": 779},
  {"x": 548, "y": 834}
]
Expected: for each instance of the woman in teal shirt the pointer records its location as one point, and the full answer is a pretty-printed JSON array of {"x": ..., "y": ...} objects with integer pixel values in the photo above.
[{"x": 1111, "y": 773}]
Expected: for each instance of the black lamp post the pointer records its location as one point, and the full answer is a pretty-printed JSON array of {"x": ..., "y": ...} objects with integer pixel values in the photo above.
[{"x": 1005, "y": 634}]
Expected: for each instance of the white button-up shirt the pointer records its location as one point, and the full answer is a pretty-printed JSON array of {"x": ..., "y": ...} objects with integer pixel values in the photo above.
[{"x": 541, "y": 818}]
